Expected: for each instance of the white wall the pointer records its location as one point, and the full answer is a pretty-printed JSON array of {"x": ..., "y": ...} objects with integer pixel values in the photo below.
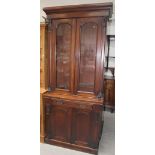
[{"x": 47, "y": 3}]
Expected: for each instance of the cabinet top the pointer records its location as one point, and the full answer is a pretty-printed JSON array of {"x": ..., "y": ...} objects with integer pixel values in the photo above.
[{"x": 105, "y": 9}]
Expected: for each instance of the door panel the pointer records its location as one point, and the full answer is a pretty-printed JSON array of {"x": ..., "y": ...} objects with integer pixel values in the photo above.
[
  {"x": 58, "y": 123},
  {"x": 81, "y": 127},
  {"x": 88, "y": 44},
  {"x": 88, "y": 55},
  {"x": 86, "y": 127},
  {"x": 63, "y": 48},
  {"x": 62, "y": 56}
]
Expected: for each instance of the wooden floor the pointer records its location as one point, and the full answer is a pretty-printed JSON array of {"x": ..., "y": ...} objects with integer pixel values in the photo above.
[{"x": 107, "y": 144}]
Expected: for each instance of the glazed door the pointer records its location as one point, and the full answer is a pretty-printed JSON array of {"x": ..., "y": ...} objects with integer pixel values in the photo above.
[
  {"x": 58, "y": 123},
  {"x": 61, "y": 54},
  {"x": 89, "y": 55}
]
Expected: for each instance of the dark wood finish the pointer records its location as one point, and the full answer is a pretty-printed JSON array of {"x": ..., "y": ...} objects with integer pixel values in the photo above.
[
  {"x": 79, "y": 8},
  {"x": 109, "y": 91},
  {"x": 66, "y": 95},
  {"x": 86, "y": 128},
  {"x": 81, "y": 118},
  {"x": 84, "y": 10},
  {"x": 57, "y": 122},
  {"x": 74, "y": 101},
  {"x": 73, "y": 120},
  {"x": 71, "y": 146},
  {"x": 88, "y": 55},
  {"x": 58, "y": 60}
]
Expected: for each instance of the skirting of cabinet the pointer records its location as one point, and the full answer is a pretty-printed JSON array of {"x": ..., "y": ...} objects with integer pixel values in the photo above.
[{"x": 71, "y": 146}]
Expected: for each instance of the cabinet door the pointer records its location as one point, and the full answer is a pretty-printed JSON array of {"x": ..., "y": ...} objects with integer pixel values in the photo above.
[
  {"x": 61, "y": 53},
  {"x": 89, "y": 55},
  {"x": 81, "y": 127},
  {"x": 58, "y": 123},
  {"x": 86, "y": 127}
]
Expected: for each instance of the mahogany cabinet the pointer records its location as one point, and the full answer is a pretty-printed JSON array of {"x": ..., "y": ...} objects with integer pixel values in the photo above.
[
  {"x": 109, "y": 94},
  {"x": 74, "y": 101}
]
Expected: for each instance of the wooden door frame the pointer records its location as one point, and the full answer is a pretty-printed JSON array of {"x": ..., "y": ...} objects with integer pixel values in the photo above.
[
  {"x": 101, "y": 32},
  {"x": 52, "y": 52}
]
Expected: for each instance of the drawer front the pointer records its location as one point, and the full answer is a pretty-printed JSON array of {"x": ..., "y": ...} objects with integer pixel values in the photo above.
[{"x": 71, "y": 104}]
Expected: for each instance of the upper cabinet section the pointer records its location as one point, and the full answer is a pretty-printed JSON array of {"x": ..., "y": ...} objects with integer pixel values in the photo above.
[
  {"x": 84, "y": 10},
  {"x": 76, "y": 43}
]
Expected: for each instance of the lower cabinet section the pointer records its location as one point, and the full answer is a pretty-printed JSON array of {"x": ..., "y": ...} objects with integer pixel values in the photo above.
[{"x": 72, "y": 127}]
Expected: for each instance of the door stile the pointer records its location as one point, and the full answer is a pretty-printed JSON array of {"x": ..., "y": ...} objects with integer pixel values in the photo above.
[
  {"x": 73, "y": 59},
  {"x": 77, "y": 56}
]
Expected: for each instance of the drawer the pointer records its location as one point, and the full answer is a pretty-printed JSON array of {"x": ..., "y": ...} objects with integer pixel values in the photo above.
[{"x": 72, "y": 104}]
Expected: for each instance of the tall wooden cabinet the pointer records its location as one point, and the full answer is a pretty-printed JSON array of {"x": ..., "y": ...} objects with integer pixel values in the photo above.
[{"x": 74, "y": 102}]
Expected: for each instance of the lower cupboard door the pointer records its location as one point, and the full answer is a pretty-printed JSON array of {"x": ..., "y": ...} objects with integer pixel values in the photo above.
[
  {"x": 81, "y": 123},
  {"x": 86, "y": 128},
  {"x": 58, "y": 123}
]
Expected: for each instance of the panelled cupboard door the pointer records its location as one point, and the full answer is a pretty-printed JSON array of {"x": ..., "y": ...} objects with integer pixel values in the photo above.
[
  {"x": 86, "y": 127},
  {"x": 62, "y": 42},
  {"x": 89, "y": 53},
  {"x": 81, "y": 120},
  {"x": 58, "y": 122}
]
